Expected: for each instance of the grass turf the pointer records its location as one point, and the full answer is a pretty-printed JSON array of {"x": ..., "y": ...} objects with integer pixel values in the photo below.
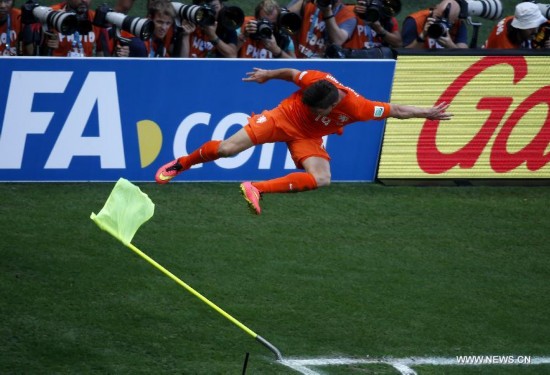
[{"x": 353, "y": 270}]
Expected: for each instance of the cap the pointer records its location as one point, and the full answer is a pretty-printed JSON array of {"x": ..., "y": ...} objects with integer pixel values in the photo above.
[{"x": 527, "y": 16}]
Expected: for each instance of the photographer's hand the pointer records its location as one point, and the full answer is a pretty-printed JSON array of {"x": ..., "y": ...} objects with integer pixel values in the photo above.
[
  {"x": 251, "y": 27},
  {"x": 52, "y": 40},
  {"x": 361, "y": 8},
  {"x": 187, "y": 27},
  {"x": 225, "y": 49},
  {"x": 271, "y": 45},
  {"x": 335, "y": 34},
  {"x": 429, "y": 22},
  {"x": 122, "y": 51},
  {"x": 446, "y": 41}
]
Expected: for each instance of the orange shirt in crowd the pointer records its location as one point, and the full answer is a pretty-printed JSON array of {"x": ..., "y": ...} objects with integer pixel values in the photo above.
[
  {"x": 498, "y": 38},
  {"x": 66, "y": 41},
  {"x": 311, "y": 39}
]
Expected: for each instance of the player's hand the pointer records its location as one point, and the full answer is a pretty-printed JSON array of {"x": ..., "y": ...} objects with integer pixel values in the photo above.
[
  {"x": 258, "y": 75},
  {"x": 438, "y": 112}
]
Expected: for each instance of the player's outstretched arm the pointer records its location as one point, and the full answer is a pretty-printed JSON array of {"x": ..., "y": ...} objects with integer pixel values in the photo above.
[
  {"x": 437, "y": 112},
  {"x": 263, "y": 75}
]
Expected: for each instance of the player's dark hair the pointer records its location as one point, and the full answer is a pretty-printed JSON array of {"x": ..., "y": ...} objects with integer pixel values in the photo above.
[{"x": 321, "y": 94}]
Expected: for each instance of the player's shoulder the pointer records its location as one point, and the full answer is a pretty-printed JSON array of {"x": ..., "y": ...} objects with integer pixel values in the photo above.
[{"x": 315, "y": 75}]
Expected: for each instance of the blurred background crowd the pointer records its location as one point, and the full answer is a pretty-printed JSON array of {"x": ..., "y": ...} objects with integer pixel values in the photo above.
[{"x": 267, "y": 29}]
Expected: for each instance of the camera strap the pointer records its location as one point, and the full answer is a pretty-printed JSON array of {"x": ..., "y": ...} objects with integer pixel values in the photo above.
[
  {"x": 8, "y": 35},
  {"x": 368, "y": 31},
  {"x": 77, "y": 43},
  {"x": 314, "y": 21}
]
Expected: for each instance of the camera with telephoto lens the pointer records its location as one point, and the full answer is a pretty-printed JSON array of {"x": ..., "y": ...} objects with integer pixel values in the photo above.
[
  {"x": 140, "y": 27},
  {"x": 545, "y": 10},
  {"x": 441, "y": 25},
  {"x": 488, "y": 9},
  {"x": 63, "y": 22},
  {"x": 200, "y": 15},
  {"x": 379, "y": 9},
  {"x": 288, "y": 22},
  {"x": 264, "y": 30}
]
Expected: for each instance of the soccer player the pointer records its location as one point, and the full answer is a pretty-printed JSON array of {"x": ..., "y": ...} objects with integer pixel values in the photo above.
[{"x": 320, "y": 107}]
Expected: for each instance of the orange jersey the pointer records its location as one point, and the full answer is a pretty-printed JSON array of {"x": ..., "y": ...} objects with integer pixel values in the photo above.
[
  {"x": 8, "y": 40},
  {"x": 352, "y": 108},
  {"x": 199, "y": 44},
  {"x": 498, "y": 38},
  {"x": 311, "y": 38},
  {"x": 156, "y": 47},
  {"x": 253, "y": 49},
  {"x": 68, "y": 43},
  {"x": 365, "y": 37}
]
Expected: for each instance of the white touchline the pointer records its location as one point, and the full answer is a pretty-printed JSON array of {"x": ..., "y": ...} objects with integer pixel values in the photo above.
[{"x": 403, "y": 365}]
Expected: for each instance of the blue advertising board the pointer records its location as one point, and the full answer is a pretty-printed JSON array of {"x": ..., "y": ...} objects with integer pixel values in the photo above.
[{"x": 101, "y": 119}]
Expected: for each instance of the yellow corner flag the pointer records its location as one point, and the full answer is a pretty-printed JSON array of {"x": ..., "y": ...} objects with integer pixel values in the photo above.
[{"x": 126, "y": 209}]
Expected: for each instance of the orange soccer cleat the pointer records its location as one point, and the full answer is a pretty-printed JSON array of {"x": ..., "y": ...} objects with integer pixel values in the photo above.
[{"x": 168, "y": 171}]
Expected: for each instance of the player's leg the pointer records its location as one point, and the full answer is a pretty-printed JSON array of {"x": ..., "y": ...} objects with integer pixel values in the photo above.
[
  {"x": 308, "y": 154},
  {"x": 209, "y": 151}
]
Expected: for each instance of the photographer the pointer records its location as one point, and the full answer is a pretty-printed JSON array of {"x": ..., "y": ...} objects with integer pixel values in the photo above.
[
  {"x": 82, "y": 42},
  {"x": 162, "y": 13},
  {"x": 209, "y": 41},
  {"x": 254, "y": 43},
  {"x": 450, "y": 32},
  {"x": 517, "y": 31},
  {"x": 384, "y": 32},
  {"x": 10, "y": 25},
  {"x": 108, "y": 43},
  {"x": 324, "y": 22}
]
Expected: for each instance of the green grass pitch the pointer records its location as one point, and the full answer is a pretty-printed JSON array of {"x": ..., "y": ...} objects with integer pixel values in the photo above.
[{"x": 354, "y": 270}]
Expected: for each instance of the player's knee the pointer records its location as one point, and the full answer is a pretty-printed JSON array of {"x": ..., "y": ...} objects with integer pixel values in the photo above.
[
  {"x": 227, "y": 149},
  {"x": 322, "y": 178}
]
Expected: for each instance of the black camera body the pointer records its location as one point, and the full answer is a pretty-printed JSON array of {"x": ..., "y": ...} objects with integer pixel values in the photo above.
[
  {"x": 439, "y": 28},
  {"x": 441, "y": 25},
  {"x": 379, "y": 9},
  {"x": 264, "y": 30},
  {"x": 374, "y": 11},
  {"x": 325, "y": 3}
]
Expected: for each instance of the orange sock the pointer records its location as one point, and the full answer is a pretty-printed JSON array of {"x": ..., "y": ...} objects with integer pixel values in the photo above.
[
  {"x": 207, "y": 152},
  {"x": 291, "y": 183}
]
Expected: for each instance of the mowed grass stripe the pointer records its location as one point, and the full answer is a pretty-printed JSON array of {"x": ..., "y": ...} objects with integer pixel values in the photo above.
[{"x": 351, "y": 270}]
